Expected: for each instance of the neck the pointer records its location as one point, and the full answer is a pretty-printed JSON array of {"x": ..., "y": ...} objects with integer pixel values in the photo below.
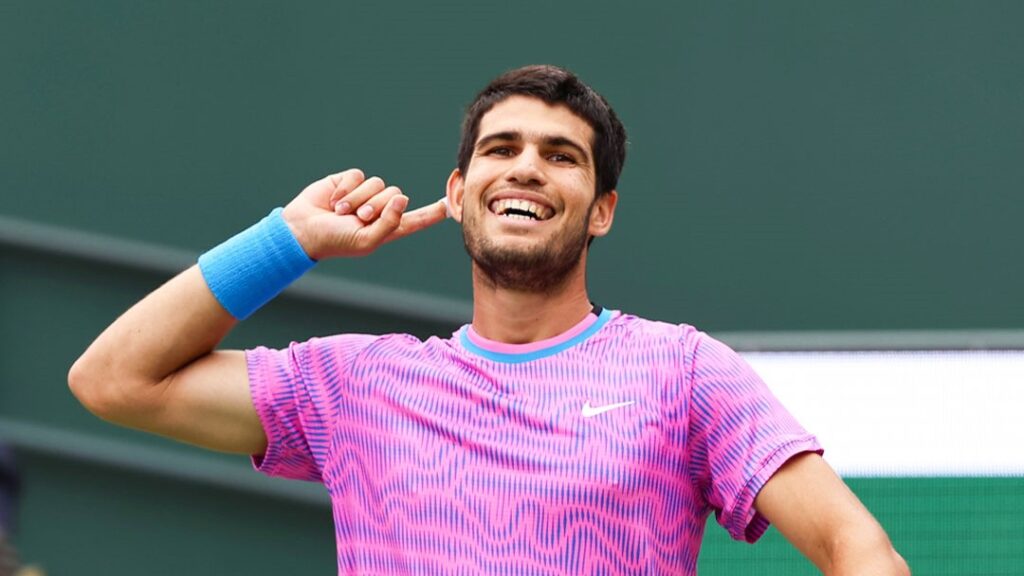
[{"x": 515, "y": 317}]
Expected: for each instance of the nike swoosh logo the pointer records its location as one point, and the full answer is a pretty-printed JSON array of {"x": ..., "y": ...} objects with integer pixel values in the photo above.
[{"x": 591, "y": 411}]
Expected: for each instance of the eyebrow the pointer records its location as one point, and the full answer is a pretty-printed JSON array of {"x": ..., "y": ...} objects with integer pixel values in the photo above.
[{"x": 515, "y": 136}]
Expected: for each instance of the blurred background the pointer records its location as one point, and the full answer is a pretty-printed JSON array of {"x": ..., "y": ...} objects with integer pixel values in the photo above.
[{"x": 802, "y": 176}]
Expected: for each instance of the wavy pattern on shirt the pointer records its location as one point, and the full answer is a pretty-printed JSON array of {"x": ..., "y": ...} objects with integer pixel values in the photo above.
[{"x": 441, "y": 461}]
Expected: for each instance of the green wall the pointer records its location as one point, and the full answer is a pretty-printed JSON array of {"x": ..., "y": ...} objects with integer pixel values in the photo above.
[
  {"x": 793, "y": 166},
  {"x": 942, "y": 526}
]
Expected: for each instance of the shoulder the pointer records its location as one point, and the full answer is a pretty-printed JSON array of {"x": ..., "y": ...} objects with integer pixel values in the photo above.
[
  {"x": 363, "y": 346},
  {"x": 635, "y": 330},
  {"x": 345, "y": 350},
  {"x": 691, "y": 351}
]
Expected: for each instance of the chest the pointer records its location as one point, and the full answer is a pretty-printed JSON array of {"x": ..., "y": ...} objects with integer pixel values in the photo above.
[{"x": 568, "y": 431}]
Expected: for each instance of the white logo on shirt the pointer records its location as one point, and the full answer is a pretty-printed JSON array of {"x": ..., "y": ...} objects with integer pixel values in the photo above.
[{"x": 591, "y": 411}]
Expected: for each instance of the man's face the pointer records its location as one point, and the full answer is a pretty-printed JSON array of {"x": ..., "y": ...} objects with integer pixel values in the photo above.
[{"x": 527, "y": 199}]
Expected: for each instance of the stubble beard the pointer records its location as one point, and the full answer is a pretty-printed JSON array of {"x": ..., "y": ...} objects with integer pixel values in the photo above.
[{"x": 538, "y": 269}]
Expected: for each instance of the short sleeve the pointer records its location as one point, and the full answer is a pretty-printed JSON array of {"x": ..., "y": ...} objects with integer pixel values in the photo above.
[
  {"x": 296, "y": 392},
  {"x": 739, "y": 435}
]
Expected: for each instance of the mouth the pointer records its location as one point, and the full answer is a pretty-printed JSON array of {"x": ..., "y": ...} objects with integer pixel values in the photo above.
[{"x": 519, "y": 209}]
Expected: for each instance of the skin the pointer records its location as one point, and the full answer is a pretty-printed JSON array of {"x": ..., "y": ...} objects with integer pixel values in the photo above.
[
  {"x": 156, "y": 368},
  {"x": 533, "y": 166}
]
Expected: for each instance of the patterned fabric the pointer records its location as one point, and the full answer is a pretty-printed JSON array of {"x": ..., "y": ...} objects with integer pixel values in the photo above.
[{"x": 601, "y": 451}]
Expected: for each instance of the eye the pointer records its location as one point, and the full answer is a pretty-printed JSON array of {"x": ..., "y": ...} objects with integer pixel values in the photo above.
[
  {"x": 562, "y": 158},
  {"x": 500, "y": 151}
]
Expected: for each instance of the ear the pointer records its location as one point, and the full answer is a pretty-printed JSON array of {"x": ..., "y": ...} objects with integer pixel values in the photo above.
[
  {"x": 603, "y": 213},
  {"x": 454, "y": 190}
]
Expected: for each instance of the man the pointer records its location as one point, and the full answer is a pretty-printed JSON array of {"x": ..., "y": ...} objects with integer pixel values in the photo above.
[{"x": 550, "y": 436}]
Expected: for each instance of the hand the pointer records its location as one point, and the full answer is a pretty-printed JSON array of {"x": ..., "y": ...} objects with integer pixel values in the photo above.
[{"x": 346, "y": 214}]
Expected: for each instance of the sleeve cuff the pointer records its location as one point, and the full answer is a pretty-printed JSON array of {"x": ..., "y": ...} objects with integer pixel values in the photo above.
[{"x": 744, "y": 522}]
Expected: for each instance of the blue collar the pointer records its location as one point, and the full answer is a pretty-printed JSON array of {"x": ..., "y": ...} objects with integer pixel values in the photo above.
[{"x": 508, "y": 358}]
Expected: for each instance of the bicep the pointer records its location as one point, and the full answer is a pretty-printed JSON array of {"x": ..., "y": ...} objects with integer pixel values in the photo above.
[
  {"x": 813, "y": 508},
  {"x": 208, "y": 403}
]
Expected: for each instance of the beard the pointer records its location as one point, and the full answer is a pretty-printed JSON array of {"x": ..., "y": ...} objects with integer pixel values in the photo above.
[{"x": 537, "y": 269}]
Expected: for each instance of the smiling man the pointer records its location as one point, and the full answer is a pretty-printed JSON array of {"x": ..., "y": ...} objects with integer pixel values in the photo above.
[{"x": 549, "y": 436}]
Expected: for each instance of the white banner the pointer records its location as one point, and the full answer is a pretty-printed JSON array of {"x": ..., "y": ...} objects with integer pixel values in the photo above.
[{"x": 956, "y": 413}]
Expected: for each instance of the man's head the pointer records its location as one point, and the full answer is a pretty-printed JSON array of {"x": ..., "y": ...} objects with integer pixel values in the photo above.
[
  {"x": 530, "y": 190},
  {"x": 554, "y": 85}
]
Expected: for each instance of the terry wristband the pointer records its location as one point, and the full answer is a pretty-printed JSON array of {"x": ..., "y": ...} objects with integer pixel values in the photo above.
[{"x": 255, "y": 265}]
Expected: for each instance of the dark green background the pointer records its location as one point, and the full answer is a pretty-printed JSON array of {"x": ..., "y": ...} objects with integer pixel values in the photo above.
[{"x": 793, "y": 166}]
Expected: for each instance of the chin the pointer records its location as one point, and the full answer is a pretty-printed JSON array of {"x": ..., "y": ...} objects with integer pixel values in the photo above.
[{"x": 536, "y": 266}]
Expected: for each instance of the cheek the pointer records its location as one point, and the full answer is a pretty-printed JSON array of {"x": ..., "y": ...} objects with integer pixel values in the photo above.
[
  {"x": 465, "y": 202},
  {"x": 473, "y": 189},
  {"x": 584, "y": 183}
]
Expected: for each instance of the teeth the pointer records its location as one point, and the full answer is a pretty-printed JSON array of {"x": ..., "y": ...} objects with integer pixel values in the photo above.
[{"x": 501, "y": 206}]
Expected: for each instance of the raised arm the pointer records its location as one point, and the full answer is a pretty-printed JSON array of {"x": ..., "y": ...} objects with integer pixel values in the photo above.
[
  {"x": 156, "y": 369},
  {"x": 812, "y": 507}
]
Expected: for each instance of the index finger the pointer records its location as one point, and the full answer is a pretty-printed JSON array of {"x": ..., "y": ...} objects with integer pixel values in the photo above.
[{"x": 420, "y": 218}]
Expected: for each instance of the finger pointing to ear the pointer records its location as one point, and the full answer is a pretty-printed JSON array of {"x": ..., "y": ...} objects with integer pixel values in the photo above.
[{"x": 420, "y": 218}]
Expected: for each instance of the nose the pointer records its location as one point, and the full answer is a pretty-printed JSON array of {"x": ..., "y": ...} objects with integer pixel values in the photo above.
[{"x": 526, "y": 168}]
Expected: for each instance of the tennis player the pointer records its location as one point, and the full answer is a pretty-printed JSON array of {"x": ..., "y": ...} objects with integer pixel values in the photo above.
[{"x": 549, "y": 436}]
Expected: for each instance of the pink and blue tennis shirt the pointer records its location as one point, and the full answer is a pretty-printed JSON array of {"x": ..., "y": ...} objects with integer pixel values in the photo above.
[{"x": 600, "y": 451}]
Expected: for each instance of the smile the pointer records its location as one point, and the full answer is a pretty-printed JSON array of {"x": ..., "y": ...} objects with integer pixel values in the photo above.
[{"x": 520, "y": 209}]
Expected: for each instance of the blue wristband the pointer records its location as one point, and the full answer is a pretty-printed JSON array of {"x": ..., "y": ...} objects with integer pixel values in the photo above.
[{"x": 255, "y": 265}]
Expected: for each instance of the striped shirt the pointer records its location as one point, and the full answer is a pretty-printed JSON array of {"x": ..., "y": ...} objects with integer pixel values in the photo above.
[{"x": 600, "y": 451}]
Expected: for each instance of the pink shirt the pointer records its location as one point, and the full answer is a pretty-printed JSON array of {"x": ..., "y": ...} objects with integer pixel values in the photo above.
[{"x": 600, "y": 451}]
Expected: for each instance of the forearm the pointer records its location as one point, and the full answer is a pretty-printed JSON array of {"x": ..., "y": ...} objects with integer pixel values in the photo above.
[
  {"x": 865, "y": 555},
  {"x": 121, "y": 376},
  {"x": 173, "y": 326},
  {"x": 812, "y": 507},
  {"x": 156, "y": 369}
]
